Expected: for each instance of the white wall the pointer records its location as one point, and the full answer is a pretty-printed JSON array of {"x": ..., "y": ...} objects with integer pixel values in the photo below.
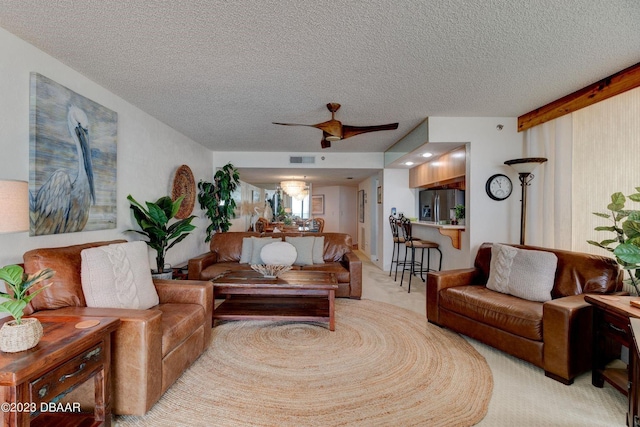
[
  {"x": 149, "y": 152},
  {"x": 395, "y": 194},
  {"x": 487, "y": 220}
]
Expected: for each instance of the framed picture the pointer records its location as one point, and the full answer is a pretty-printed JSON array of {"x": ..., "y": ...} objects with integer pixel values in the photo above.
[
  {"x": 379, "y": 195},
  {"x": 72, "y": 161},
  {"x": 361, "y": 205},
  {"x": 317, "y": 204}
]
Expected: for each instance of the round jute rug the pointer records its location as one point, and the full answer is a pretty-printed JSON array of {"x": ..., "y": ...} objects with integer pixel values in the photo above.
[{"x": 383, "y": 366}]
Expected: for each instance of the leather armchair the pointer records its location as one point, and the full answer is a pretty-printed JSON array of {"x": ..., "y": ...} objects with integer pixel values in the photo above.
[{"x": 151, "y": 348}]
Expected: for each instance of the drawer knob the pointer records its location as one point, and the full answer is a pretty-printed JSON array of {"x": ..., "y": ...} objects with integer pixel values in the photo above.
[{"x": 43, "y": 391}]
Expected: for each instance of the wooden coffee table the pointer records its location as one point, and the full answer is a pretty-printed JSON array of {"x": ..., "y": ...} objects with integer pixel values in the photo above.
[{"x": 295, "y": 295}]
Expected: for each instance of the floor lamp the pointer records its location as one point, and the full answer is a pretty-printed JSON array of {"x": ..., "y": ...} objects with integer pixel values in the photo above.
[{"x": 525, "y": 167}]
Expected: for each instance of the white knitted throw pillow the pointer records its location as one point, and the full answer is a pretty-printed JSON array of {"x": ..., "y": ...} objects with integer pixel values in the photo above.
[{"x": 527, "y": 274}]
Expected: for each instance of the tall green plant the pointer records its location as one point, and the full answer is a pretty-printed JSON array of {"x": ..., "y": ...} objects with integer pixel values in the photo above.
[
  {"x": 19, "y": 283},
  {"x": 625, "y": 244},
  {"x": 154, "y": 222},
  {"x": 216, "y": 198}
]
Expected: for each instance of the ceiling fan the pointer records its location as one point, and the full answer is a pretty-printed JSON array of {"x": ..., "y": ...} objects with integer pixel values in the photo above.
[{"x": 334, "y": 130}]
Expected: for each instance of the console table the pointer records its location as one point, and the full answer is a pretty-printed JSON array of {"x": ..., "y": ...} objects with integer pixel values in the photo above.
[{"x": 33, "y": 381}]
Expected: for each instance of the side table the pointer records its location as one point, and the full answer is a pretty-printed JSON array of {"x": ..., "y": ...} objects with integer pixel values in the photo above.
[{"x": 33, "y": 381}]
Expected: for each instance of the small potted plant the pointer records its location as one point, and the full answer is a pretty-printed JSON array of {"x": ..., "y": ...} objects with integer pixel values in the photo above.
[
  {"x": 626, "y": 236},
  {"x": 154, "y": 222},
  {"x": 459, "y": 214},
  {"x": 20, "y": 334}
]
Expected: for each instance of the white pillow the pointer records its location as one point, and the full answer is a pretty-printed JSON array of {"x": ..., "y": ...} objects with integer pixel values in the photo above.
[
  {"x": 279, "y": 253},
  {"x": 318, "y": 250},
  {"x": 118, "y": 276},
  {"x": 304, "y": 248},
  {"x": 247, "y": 249},
  {"x": 257, "y": 245},
  {"x": 523, "y": 273}
]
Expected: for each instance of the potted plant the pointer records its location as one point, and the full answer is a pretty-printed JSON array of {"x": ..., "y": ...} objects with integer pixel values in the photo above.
[
  {"x": 625, "y": 242},
  {"x": 154, "y": 222},
  {"x": 459, "y": 213},
  {"x": 216, "y": 198},
  {"x": 20, "y": 334}
]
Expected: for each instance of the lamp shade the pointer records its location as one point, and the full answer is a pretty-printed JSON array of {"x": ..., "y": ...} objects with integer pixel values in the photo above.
[
  {"x": 526, "y": 165},
  {"x": 14, "y": 208}
]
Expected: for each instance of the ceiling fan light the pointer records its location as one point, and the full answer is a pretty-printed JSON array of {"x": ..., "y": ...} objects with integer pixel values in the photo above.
[{"x": 332, "y": 138}]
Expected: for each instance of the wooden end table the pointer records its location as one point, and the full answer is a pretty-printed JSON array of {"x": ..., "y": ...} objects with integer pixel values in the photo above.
[
  {"x": 295, "y": 295},
  {"x": 33, "y": 381}
]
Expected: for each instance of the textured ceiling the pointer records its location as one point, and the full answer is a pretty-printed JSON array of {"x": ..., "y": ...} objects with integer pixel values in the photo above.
[{"x": 220, "y": 72}]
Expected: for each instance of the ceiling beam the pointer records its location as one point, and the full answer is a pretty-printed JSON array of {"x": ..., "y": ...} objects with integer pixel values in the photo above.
[{"x": 613, "y": 85}]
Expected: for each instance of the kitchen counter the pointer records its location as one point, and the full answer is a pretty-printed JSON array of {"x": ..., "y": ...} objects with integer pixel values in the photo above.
[{"x": 451, "y": 231}]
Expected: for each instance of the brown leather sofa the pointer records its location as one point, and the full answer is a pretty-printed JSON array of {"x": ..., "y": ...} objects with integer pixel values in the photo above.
[
  {"x": 226, "y": 248},
  {"x": 151, "y": 348},
  {"x": 555, "y": 336}
]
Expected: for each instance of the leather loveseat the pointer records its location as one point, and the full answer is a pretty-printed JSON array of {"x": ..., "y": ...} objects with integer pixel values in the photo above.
[
  {"x": 339, "y": 258},
  {"x": 555, "y": 335},
  {"x": 151, "y": 348}
]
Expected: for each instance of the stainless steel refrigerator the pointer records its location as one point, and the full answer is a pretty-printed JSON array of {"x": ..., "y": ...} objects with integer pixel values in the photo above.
[{"x": 435, "y": 204}]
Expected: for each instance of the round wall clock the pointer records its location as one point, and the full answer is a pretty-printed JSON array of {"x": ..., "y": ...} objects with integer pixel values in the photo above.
[{"x": 499, "y": 187}]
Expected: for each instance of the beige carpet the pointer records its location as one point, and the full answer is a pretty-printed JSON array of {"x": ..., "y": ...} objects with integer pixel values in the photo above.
[{"x": 383, "y": 366}]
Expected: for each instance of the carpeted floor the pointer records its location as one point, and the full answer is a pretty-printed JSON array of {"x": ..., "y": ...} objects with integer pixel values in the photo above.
[
  {"x": 522, "y": 395},
  {"x": 383, "y": 366}
]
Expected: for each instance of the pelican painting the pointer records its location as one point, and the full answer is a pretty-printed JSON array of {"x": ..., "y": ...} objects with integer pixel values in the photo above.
[{"x": 72, "y": 151}]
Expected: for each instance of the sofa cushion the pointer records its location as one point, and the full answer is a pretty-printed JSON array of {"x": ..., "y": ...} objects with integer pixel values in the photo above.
[
  {"x": 247, "y": 249},
  {"x": 304, "y": 249},
  {"x": 318, "y": 250},
  {"x": 527, "y": 274},
  {"x": 179, "y": 321},
  {"x": 118, "y": 276},
  {"x": 508, "y": 313},
  {"x": 256, "y": 247},
  {"x": 279, "y": 253},
  {"x": 342, "y": 274}
]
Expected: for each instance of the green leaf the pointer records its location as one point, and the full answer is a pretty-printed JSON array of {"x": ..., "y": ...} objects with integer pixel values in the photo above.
[
  {"x": 635, "y": 197},
  {"x": 12, "y": 274},
  {"x": 602, "y": 215},
  {"x": 631, "y": 228},
  {"x": 628, "y": 253},
  {"x": 13, "y": 307},
  {"x": 617, "y": 202},
  {"x": 605, "y": 228}
]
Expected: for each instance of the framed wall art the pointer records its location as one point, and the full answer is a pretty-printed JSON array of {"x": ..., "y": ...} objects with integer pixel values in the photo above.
[
  {"x": 317, "y": 204},
  {"x": 72, "y": 161},
  {"x": 360, "y": 205}
]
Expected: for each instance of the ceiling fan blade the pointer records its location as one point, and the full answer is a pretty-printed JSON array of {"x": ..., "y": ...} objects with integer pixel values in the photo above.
[
  {"x": 293, "y": 124},
  {"x": 332, "y": 127},
  {"x": 349, "y": 131},
  {"x": 324, "y": 143}
]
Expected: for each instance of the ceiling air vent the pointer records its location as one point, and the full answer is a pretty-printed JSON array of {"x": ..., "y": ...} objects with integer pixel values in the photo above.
[{"x": 302, "y": 159}]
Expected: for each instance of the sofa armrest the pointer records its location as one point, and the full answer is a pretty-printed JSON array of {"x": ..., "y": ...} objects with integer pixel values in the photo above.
[
  {"x": 199, "y": 263},
  {"x": 352, "y": 263},
  {"x": 567, "y": 335},
  {"x": 136, "y": 355},
  {"x": 439, "y": 280},
  {"x": 188, "y": 292}
]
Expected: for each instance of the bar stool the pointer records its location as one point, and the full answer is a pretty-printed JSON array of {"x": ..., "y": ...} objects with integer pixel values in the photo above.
[
  {"x": 413, "y": 244},
  {"x": 397, "y": 242}
]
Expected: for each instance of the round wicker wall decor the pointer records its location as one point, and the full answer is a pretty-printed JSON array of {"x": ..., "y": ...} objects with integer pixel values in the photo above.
[{"x": 184, "y": 185}]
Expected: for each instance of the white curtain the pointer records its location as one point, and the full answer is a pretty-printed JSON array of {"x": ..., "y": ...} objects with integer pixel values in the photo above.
[{"x": 549, "y": 195}]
